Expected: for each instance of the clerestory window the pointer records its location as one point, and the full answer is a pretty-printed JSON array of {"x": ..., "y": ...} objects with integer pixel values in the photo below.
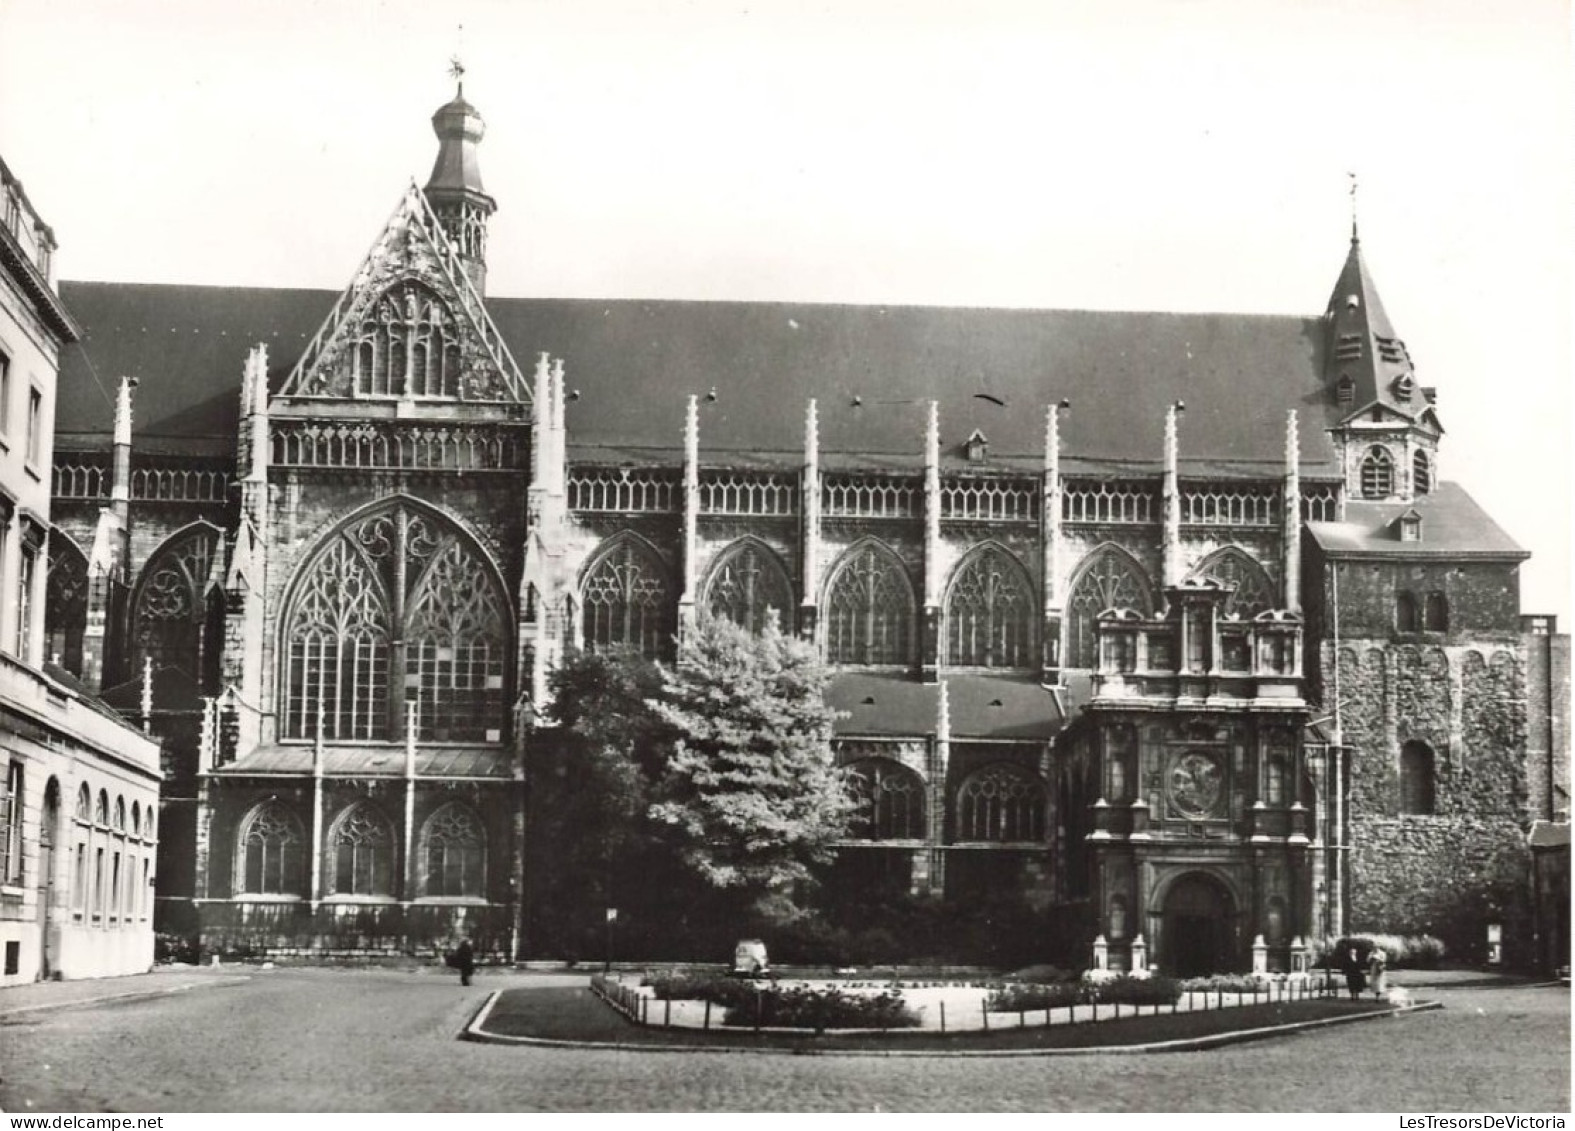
[
  {"x": 991, "y": 613},
  {"x": 869, "y": 613}
]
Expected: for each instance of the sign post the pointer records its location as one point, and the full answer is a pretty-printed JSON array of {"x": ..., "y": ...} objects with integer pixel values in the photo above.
[{"x": 612, "y": 917}]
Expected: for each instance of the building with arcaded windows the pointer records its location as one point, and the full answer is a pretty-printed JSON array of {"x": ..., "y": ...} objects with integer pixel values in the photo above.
[
  {"x": 1166, "y": 623},
  {"x": 79, "y": 800}
]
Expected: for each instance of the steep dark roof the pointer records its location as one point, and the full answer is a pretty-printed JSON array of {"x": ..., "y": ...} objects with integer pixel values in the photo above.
[
  {"x": 634, "y": 362},
  {"x": 1453, "y": 526}
]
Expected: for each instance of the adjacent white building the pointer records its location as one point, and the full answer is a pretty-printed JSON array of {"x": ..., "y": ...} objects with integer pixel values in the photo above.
[{"x": 79, "y": 807}]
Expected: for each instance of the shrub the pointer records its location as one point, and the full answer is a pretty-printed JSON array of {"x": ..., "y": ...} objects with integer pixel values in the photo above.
[
  {"x": 802, "y": 1007},
  {"x": 724, "y": 991},
  {"x": 1424, "y": 951},
  {"x": 1017, "y": 998},
  {"x": 1043, "y": 975},
  {"x": 1229, "y": 983},
  {"x": 1127, "y": 990}
]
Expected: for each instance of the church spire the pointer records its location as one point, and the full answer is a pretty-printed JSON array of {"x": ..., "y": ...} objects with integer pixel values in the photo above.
[
  {"x": 1367, "y": 362},
  {"x": 454, "y": 188}
]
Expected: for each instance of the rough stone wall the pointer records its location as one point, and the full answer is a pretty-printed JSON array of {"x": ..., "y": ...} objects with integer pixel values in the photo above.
[{"x": 1451, "y": 872}]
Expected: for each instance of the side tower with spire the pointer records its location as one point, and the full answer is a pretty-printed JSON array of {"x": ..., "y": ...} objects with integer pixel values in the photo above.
[
  {"x": 454, "y": 189},
  {"x": 1388, "y": 431}
]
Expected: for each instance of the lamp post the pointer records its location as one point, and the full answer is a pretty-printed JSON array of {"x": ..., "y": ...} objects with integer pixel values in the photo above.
[{"x": 612, "y": 917}]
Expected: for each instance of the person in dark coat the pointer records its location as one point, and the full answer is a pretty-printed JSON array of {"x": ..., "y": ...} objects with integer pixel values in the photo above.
[
  {"x": 1355, "y": 973},
  {"x": 465, "y": 960}
]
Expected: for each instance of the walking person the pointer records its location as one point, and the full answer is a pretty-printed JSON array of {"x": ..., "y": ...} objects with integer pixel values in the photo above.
[
  {"x": 1355, "y": 975},
  {"x": 465, "y": 960},
  {"x": 1378, "y": 972}
]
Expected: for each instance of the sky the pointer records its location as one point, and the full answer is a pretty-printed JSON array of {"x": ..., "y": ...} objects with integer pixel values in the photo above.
[{"x": 1188, "y": 155}]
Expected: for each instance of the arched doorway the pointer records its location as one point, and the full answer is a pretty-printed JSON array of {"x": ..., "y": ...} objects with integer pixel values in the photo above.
[{"x": 1197, "y": 927}]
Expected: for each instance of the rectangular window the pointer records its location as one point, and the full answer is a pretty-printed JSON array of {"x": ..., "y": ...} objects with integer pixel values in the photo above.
[
  {"x": 5, "y": 395},
  {"x": 114, "y": 887},
  {"x": 28, "y": 568},
  {"x": 13, "y": 957},
  {"x": 35, "y": 424},
  {"x": 11, "y": 826},
  {"x": 98, "y": 886},
  {"x": 143, "y": 893},
  {"x": 79, "y": 882}
]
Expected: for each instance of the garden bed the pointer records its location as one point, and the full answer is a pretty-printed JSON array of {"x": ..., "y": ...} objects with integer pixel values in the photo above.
[{"x": 575, "y": 1015}]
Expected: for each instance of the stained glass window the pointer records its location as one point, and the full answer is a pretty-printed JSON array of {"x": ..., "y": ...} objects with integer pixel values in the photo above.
[
  {"x": 407, "y": 346},
  {"x": 748, "y": 585},
  {"x": 1003, "y": 802},
  {"x": 397, "y": 568},
  {"x": 361, "y": 851},
  {"x": 273, "y": 852},
  {"x": 991, "y": 613},
  {"x": 869, "y": 612},
  {"x": 454, "y": 850},
  {"x": 179, "y": 612},
  {"x": 890, "y": 800},
  {"x": 626, "y": 601},
  {"x": 1111, "y": 579}
]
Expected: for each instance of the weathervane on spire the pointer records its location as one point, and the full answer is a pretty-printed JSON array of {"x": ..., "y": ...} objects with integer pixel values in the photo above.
[
  {"x": 456, "y": 69},
  {"x": 1353, "y": 206}
]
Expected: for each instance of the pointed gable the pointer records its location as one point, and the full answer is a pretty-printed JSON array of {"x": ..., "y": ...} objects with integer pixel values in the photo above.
[
  {"x": 1367, "y": 361},
  {"x": 410, "y": 326}
]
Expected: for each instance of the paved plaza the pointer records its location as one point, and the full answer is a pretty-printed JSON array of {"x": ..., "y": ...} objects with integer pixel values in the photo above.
[{"x": 378, "y": 1040}]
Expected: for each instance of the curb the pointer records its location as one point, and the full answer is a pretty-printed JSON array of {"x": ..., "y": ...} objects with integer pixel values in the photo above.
[
  {"x": 476, "y": 1031},
  {"x": 126, "y": 995}
]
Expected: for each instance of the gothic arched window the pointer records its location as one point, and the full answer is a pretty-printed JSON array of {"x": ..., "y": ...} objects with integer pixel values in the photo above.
[
  {"x": 84, "y": 807},
  {"x": 889, "y": 800},
  {"x": 65, "y": 608},
  {"x": 273, "y": 852},
  {"x": 453, "y": 852},
  {"x": 1110, "y": 579},
  {"x": 1405, "y": 612},
  {"x": 747, "y": 585},
  {"x": 1378, "y": 474},
  {"x": 397, "y": 601},
  {"x": 991, "y": 613},
  {"x": 1416, "y": 778},
  {"x": 625, "y": 600},
  {"x": 361, "y": 853},
  {"x": 178, "y": 615},
  {"x": 408, "y": 346},
  {"x": 869, "y": 611},
  {"x": 1251, "y": 590},
  {"x": 1003, "y": 802},
  {"x": 1421, "y": 473}
]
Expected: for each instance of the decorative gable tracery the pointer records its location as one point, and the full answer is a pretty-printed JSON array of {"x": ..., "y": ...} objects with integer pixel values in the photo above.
[{"x": 410, "y": 325}]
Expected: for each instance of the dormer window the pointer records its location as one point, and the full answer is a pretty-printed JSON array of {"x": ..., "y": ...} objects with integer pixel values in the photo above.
[
  {"x": 1410, "y": 527},
  {"x": 977, "y": 447},
  {"x": 1378, "y": 474},
  {"x": 1404, "y": 386}
]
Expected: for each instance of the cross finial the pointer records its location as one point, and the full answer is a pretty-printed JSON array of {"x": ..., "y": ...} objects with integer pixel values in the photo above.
[{"x": 1352, "y": 177}]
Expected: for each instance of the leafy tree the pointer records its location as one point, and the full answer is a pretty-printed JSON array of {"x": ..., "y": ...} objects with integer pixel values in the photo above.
[{"x": 749, "y": 789}]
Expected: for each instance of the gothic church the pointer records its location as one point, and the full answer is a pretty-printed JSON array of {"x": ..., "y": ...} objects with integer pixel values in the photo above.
[{"x": 1168, "y": 622}]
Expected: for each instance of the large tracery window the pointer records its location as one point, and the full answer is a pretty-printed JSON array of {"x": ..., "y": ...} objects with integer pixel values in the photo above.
[
  {"x": 1378, "y": 474},
  {"x": 65, "y": 608},
  {"x": 178, "y": 619},
  {"x": 1004, "y": 803},
  {"x": 749, "y": 585},
  {"x": 869, "y": 610},
  {"x": 1251, "y": 590},
  {"x": 399, "y": 599},
  {"x": 1110, "y": 580},
  {"x": 453, "y": 850},
  {"x": 991, "y": 613},
  {"x": 408, "y": 346},
  {"x": 273, "y": 852},
  {"x": 361, "y": 853},
  {"x": 626, "y": 601},
  {"x": 889, "y": 800}
]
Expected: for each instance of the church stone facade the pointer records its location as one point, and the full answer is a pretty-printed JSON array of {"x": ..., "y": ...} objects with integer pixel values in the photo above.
[{"x": 1164, "y": 622}]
